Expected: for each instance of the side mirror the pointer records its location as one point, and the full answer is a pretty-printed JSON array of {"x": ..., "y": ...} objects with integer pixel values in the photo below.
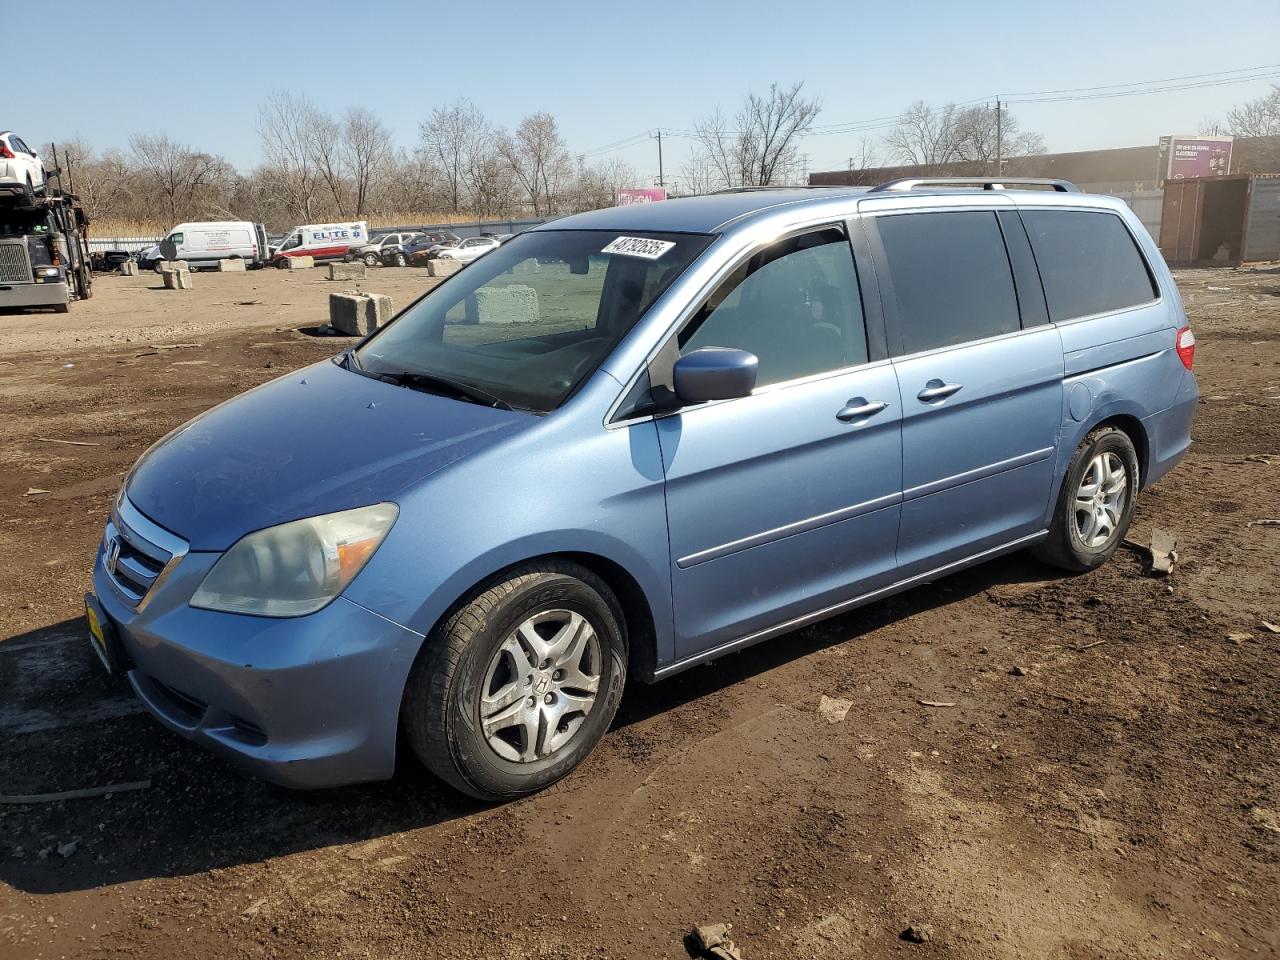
[{"x": 715, "y": 373}]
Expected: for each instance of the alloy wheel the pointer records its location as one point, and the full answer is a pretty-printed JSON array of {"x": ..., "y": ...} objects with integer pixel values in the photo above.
[
  {"x": 1100, "y": 500},
  {"x": 540, "y": 686}
]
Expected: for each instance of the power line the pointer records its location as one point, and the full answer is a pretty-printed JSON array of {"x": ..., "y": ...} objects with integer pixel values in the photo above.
[{"x": 1131, "y": 88}]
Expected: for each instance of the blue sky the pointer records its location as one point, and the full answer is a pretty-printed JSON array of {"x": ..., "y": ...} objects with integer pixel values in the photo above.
[{"x": 609, "y": 71}]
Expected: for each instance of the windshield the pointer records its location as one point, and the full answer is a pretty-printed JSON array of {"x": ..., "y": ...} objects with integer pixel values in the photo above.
[{"x": 533, "y": 318}]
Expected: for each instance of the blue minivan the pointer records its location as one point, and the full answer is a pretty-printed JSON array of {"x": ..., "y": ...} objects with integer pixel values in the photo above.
[{"x": 631, "y": 441}]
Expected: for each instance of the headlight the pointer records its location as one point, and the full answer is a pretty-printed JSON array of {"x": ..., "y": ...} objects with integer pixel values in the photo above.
[{"x": 298, "y": 567}]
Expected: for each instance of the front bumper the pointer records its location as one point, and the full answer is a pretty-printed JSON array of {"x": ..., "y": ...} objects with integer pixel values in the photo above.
[
  {"x": 304, "y": 702},
  {"x": 34, "y": 294}
]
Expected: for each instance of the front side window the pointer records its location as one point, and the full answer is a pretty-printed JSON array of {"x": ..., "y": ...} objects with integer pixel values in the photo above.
[
  {"x": 1088, "y": 263},
  {"x": 175, "y": 239},
  {"x": 951, "y": 277},
  {"x": 530, "y": 321},
  {"x": 795, "y": 305}
]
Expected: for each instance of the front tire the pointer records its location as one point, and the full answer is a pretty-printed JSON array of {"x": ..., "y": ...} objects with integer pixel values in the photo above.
[
  {"x": 1096, "y": 503},
  {"x": 370, "y": 259},
  {"x": 513, "y": 690}
]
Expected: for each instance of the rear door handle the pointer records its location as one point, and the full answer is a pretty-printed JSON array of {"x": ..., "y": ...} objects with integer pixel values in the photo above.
[
  {"x": 937, "y": 390},
  {"x": 857, "y": 408}
]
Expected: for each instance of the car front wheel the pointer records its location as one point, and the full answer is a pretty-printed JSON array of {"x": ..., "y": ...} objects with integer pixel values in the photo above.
[
  {"x": 514, "y": 689},
  {"x": 370, "y": 259},
  {"x": 1096, "y": 503}
]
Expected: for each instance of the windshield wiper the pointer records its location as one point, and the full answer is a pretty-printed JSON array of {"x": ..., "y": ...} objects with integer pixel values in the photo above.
[{"x": 433, "y": 383}]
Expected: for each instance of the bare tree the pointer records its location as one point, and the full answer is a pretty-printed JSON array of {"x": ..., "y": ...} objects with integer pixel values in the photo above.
[
  {"x": 699, "y": 174},
  {"x": 286, "y": 129},
  {"x": 187, "y": 179},
  {"x": 1257, "y": 118},
  {"x": 451, "y": 137},
  {"x": 539, "y": 160},
  {"x": 367, "y": 150},
  {"x": 952, "y": 137},
  {"x": 760, "y": 144}
]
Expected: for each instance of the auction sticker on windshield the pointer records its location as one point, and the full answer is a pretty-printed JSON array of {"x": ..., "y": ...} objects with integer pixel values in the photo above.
[{"x": 639, "y": 247}]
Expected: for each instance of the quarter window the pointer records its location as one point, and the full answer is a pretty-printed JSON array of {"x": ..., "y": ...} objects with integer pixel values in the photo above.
[
  {"x": 795, "y": 305},
  {"x": 951, "y": 278},
  {"x": 1088, "y": 262}
]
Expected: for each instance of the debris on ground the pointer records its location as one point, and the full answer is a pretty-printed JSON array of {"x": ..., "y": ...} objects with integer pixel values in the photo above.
[
  {"x": 1268, "y": 626},
  {"x": 67, "y": 849},
  {"x": 712, "y": 940},
  {"x": 1090, "y": 646},
  {"x": 1017, "y": 671},
  {"x": 1264, "y": 523},
  {"x": 834, "y": 709},
  {"x": 1160, "y": 557},
  {"x": 254, "y": 908},
  {"x": 917, "y": 933},
  {"x": 1239, "y": 638},
  {"x": 103, "y": 791},
  {"x": 34, "y": 492},
  {"x": 936, "y": 703},
  {"x": 1266, "y": 819},
  {"x": 70, "y": 443}
]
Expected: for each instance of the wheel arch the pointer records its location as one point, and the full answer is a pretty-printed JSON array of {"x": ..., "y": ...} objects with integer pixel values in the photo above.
[{"x": 1131, "y": 427}]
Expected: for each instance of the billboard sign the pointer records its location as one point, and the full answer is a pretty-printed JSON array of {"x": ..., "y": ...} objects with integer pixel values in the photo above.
[
  {"x": 627, "y": 196},
  {"x": 1195, "y": 157}
]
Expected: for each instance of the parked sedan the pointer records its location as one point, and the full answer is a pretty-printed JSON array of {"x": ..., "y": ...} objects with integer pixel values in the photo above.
[
  {"x": 21, "y": 169},
  {"x": 371, "y": 253},
  {"x": 471, "y": 249},
  {"x": 418, "y": 251}
]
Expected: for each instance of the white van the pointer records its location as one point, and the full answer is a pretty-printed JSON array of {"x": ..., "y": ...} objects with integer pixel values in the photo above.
[
  {"x": 204, "y": 243},
  {"x": 323, "y": 241}
]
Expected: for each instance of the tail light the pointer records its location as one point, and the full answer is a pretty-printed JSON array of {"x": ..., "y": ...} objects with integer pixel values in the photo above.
[
  {"x": 1186, "y": 343},
  {"x": 5, "y": 152}
]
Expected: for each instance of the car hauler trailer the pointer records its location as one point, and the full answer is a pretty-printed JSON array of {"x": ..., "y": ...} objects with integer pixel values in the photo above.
[{"x": 44, "y": 252}]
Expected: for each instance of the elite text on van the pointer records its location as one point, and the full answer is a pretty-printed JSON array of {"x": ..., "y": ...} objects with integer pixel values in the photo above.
[{"x": 322, "y": 241}]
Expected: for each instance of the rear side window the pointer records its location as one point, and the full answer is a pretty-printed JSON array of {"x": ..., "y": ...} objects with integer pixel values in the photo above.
[
  {"x": 1088, "y": 262},
  {"x": 951, "y": 278}
]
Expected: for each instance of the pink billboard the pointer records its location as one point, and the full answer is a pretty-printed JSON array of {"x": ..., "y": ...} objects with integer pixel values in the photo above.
[
  {"x": 1197, "y": 157},
  {"x": 627, "y": 196}
]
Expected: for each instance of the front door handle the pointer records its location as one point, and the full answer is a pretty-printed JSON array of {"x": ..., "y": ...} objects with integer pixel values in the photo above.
[
  {"x": 937, "y": 390},
  {"x": 858, "y": 408}
]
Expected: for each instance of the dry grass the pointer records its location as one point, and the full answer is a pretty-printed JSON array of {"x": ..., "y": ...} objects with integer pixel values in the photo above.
[{"x": 122, "y": 227}]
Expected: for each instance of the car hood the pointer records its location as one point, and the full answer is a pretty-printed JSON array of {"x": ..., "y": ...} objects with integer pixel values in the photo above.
[{"x": 315, "y": 441}]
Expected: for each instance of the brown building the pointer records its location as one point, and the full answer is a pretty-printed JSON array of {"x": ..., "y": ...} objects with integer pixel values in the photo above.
[{"x": 1120, "y": 165}]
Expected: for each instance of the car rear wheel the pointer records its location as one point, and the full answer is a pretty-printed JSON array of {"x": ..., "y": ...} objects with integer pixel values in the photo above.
[
  {"x": 401, "y": 260},
  {"x": 1096, "y": 503},
  {"x": 28, "y": 193},
  {"x": 514, "y": 689}
]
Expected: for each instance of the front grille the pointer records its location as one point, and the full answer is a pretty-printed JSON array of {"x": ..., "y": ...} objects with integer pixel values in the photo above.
[
  {"x": 137, "y": 554},
  {"x": 15, "y": 265}
]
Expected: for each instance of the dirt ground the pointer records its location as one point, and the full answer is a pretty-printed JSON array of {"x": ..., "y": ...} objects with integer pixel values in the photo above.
[{"x": 1115, "y": 795}]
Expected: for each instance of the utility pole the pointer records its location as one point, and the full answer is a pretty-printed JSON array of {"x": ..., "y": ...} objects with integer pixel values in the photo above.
[
  {"x": 661, "y": 181},
  {"x": 999, "y": 141}
]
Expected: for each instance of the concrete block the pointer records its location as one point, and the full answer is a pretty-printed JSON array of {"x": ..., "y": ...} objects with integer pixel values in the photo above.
[
  {"x": 514, "y": 303},
  {"x": 128, "y": 269},
  {"x": 358, "y": 314},
  {"x": 443, "y": 268},
  {"x": 177, "y": 279},
  {"x": 299, "y": 263},
  {"x": 235, "y": 265},
  {"x": 172, "y": 266},
  {"x": 347, "y": 271}
]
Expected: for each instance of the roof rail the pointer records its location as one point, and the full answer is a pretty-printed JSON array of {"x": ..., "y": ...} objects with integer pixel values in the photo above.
[{"x": 986, "y": 183}]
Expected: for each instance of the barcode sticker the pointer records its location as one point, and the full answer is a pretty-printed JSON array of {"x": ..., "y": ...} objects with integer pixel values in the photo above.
[{"x": 639, "y": 247}]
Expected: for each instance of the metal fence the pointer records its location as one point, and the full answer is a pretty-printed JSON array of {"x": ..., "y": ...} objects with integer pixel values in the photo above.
[{"x": 473, "y": 229}]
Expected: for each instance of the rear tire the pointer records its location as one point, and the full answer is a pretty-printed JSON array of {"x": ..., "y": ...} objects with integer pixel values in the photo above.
[
  {"x": 453, "y": 686},
  {"x": 28, "y": 193},
  {"x": 401, "y": 260},
  {"x": 1095, "y": 505}
]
